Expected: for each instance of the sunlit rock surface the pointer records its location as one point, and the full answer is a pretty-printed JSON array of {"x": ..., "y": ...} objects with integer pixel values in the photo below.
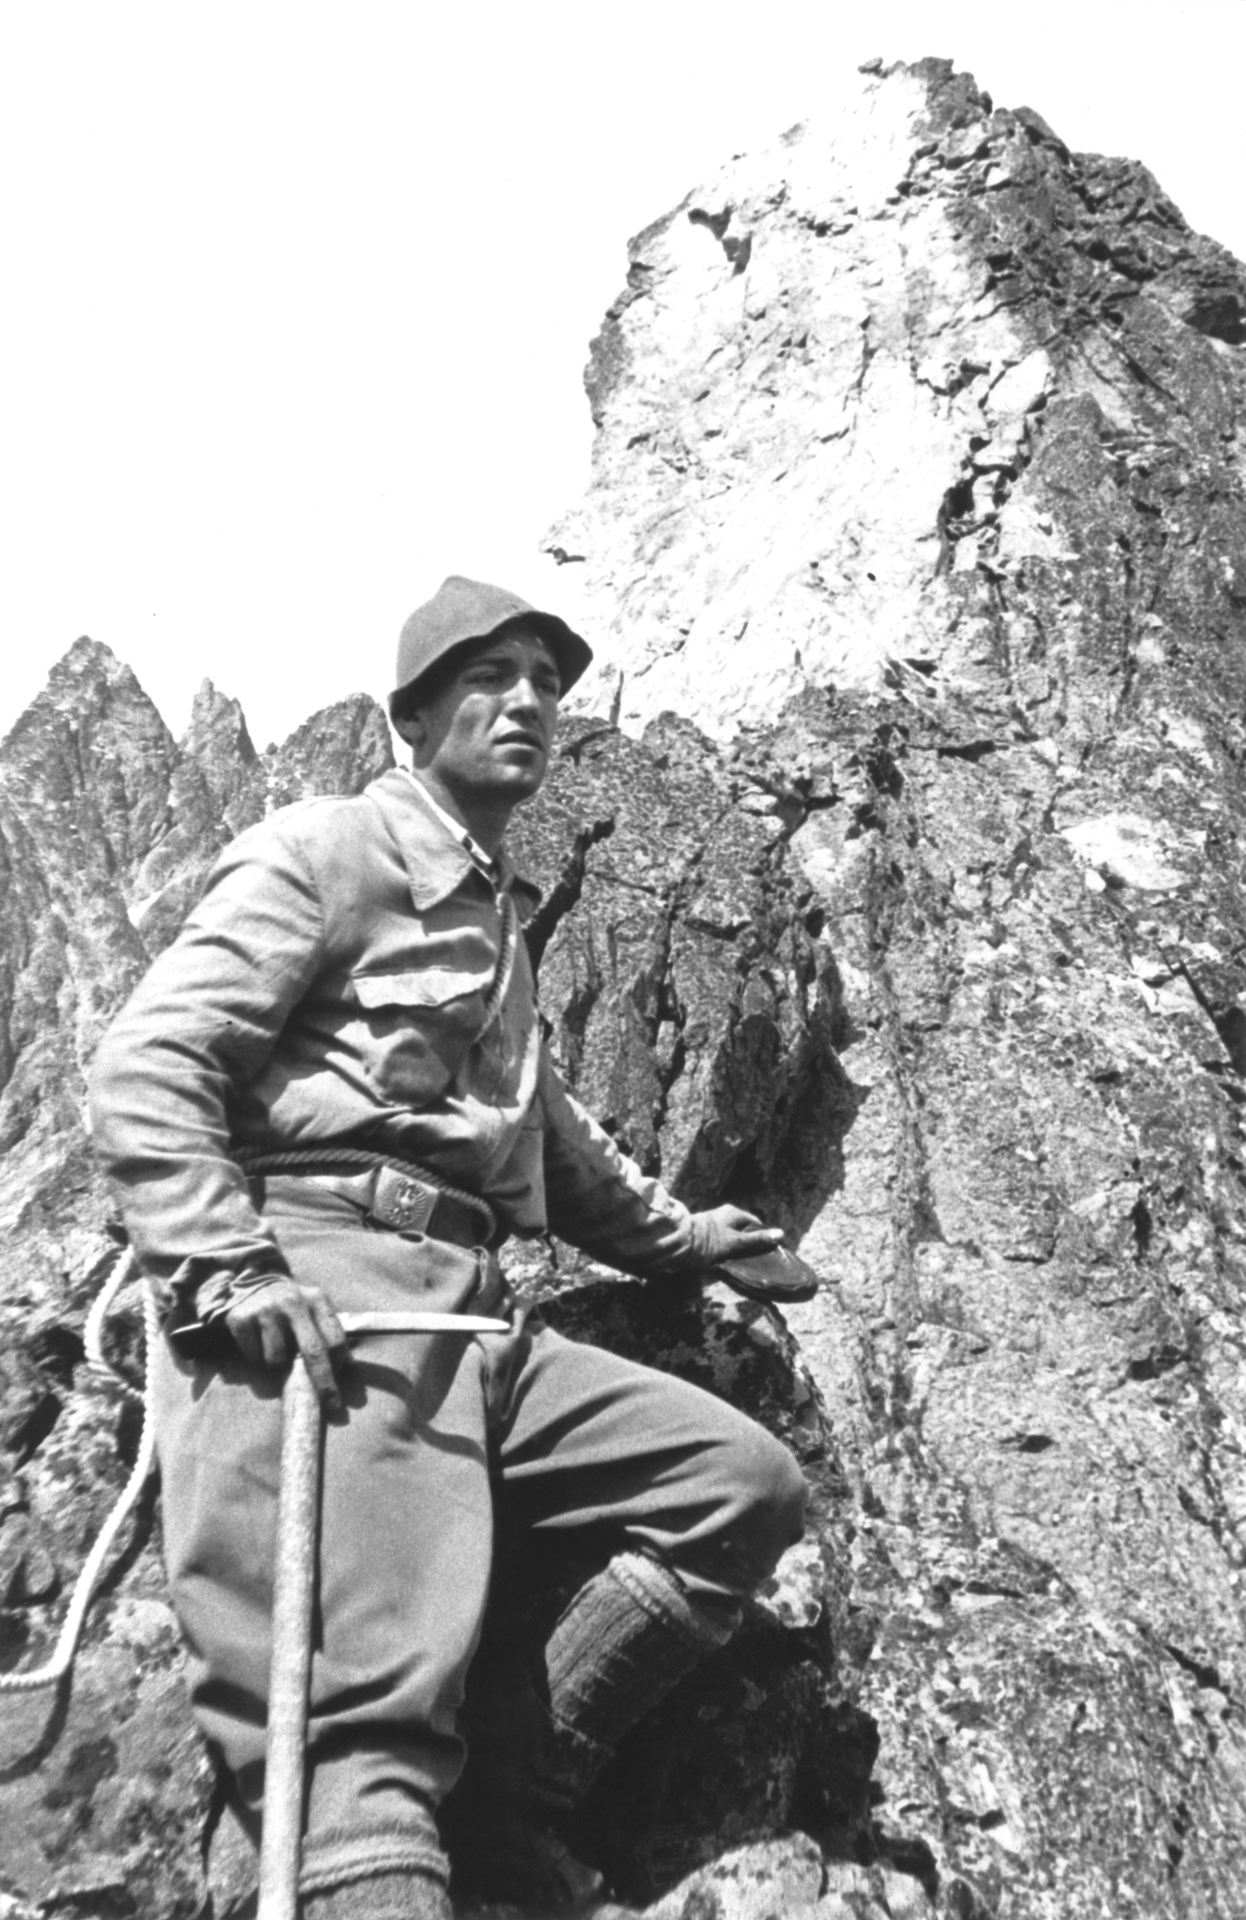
[
  {"x": 919, "y": 483},
  {"x": 831, "y": 393},
  {"x": 917, "y": 923}
]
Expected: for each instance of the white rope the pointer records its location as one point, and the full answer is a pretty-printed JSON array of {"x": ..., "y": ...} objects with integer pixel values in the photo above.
[
  {"x": 93, "y": 1332},
  {"x": 67, "y": 1642}
]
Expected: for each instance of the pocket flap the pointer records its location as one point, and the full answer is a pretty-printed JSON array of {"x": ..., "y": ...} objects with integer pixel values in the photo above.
[{"x": 427, "y": 987}]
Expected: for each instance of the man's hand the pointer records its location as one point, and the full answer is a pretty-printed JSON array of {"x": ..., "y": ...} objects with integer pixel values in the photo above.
[
  {"x": 270, "y": 1323},
  {"x": 729, "y": 1233}
]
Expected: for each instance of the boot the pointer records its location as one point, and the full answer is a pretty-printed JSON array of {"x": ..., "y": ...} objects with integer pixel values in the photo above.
[
  {"x": 627, "y": 1637},
  {"x": 630, "y": 1634}
]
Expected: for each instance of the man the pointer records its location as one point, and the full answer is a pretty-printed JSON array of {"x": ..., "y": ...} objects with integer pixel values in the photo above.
[{"x": 331, "y": 1094}]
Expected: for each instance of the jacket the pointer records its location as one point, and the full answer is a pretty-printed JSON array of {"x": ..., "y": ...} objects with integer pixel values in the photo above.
[{"x": 331, "y": 988}]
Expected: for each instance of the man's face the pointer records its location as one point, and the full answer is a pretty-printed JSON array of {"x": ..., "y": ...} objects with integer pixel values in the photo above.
[{"x": 485, "y": 732}]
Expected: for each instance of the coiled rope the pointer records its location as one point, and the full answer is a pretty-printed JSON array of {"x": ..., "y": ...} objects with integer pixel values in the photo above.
[
  {"x": 67, "y": 1641},
  {"x": 98, "y": 1364}
]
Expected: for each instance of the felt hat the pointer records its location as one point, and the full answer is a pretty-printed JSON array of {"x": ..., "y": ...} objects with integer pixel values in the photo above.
[{"x": 463, "y": 610}]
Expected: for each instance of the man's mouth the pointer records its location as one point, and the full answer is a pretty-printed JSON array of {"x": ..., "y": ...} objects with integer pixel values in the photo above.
[{"x": 523, "y": 740}]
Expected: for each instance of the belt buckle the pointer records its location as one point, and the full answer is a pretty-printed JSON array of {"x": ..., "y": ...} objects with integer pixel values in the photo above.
[{"x": 402, "y": 1202}]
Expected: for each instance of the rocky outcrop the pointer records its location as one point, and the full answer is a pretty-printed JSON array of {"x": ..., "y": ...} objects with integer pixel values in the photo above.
[
  {"x": 919, "y": 479},
  {"x": 905, "y": 906},
  {"x": 821, "y": 395}
]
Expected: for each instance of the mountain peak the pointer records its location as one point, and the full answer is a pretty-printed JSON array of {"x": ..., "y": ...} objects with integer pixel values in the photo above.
[{"x": 811, "y": 436}]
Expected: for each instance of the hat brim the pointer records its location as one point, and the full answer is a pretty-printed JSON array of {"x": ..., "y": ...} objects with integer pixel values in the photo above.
[{"x": 572, "y": 653}]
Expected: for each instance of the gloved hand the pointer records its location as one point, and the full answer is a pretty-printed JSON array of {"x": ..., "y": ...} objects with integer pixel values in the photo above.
[
  {"x": 729, "y": 1233},
  {"x": 731, "y": 1245}
]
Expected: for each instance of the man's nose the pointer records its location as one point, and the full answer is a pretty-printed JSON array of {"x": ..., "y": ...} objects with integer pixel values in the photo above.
[{"x": 524, "y": 697}]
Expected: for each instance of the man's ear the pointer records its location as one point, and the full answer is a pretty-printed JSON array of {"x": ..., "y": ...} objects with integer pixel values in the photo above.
[{"x": 411, "y": 727}]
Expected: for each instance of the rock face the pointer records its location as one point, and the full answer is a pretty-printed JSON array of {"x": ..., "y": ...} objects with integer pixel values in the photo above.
[
  {"x": 829, "y": 401},
  {"x": 917, "y": 922},
  {"x": 919, "y": 478}
]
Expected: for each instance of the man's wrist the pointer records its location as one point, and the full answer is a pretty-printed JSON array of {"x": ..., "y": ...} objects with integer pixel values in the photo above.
[{"x": 216, "y": 1294}]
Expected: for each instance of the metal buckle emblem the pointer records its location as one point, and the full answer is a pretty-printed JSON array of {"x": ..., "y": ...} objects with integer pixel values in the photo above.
[{"x": 402, "y": 1202}]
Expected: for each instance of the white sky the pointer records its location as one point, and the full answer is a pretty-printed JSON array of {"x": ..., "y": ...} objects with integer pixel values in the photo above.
[{"x": 296, "y": 297}]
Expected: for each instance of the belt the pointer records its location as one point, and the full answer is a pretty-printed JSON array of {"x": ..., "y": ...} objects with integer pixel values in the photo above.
[{"x": 390, "y": 1193}]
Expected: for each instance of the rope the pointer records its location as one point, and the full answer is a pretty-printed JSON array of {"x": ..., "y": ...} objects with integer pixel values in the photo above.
[
  {"x": 98, "y": 1363},
  {"x": 293, "y": 1159},
  {"x": 67, "y": 1641}
]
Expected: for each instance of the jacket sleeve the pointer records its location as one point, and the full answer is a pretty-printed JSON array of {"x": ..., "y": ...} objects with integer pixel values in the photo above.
[
  {"x": 196, "y": 1031},
  {"x": 600, "y": 1200}
]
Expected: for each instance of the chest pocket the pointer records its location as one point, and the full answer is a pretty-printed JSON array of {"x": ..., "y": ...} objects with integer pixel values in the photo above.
[{"x": 420, "y": 1028}]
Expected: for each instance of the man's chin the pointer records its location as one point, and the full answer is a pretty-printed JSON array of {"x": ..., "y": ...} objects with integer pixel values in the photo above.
[
  {"x": 526, "y": 786},
  {"x": 514, "y": 783}
]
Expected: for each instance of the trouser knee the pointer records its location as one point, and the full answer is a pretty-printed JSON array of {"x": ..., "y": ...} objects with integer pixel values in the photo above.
[
  {"x": 775, "y": 1496},
  {"x": 760, "y": 1512}
]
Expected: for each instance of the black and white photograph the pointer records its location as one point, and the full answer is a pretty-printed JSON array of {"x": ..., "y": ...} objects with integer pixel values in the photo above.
[{"x": 622, "y": 962}]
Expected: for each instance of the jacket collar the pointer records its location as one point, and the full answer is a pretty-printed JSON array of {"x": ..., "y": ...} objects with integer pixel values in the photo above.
[{"x": 437, "y": 862}]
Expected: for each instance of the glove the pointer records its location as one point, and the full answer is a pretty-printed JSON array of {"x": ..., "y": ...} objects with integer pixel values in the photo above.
[
  {"x": 735, "y": 1247},
  {"x": 729, "y": 1233}
]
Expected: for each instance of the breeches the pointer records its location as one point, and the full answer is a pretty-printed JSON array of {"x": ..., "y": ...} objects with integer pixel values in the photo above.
[{"x": 440, "y": 1439}]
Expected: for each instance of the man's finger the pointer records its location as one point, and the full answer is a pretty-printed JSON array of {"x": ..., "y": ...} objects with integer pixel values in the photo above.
[
  {"x": 330, "y": 1330},
  {"x": 759, "y": 1239},
  {"x": 248, "y": 1342},
  {"x": 272, "y": 1332},
  {"x": 315, "y": 1353}
]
